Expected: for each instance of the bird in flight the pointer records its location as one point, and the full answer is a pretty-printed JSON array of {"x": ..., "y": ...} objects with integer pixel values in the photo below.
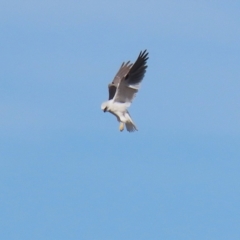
[{"x": 123, "y": 89}]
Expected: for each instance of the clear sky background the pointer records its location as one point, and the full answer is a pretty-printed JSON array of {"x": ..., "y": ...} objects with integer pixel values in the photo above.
[{"x": 66, "y": 172}]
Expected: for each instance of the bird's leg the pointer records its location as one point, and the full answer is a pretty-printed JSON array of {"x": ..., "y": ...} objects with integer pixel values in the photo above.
[{"x": 121, "y": 127}]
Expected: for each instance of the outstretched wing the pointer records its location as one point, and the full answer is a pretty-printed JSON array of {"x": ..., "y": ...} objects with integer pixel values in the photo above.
[
  {"x": 130, "y": 83},
  {"x": 122, "y": 72}
]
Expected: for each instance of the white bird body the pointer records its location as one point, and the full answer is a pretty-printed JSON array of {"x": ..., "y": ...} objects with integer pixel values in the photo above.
[
  {"x": 121, "y": 113},
  {"x": 123, "y": 89}
]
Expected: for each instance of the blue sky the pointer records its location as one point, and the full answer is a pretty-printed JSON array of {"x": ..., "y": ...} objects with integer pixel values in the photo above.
[{"x": 67, "y": 172}]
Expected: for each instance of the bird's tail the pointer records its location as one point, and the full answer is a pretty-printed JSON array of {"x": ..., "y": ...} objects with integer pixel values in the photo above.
[{"x": 131, "y": 127}]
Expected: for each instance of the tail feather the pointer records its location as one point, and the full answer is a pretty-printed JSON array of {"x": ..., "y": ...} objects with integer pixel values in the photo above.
[{"x": 131, "y": 127}]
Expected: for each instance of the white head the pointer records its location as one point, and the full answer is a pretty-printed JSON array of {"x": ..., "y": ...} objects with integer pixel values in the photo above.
[{"x": 104, "y": 106}]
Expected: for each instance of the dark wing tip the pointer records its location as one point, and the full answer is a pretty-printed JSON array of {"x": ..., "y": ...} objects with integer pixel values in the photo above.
[
  {"x": 138, "y": 69},
  {"x": 144, "y": 55}
]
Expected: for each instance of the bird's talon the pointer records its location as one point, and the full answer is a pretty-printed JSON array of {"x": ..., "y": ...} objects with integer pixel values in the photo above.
[{"x": 121, "y": 127}]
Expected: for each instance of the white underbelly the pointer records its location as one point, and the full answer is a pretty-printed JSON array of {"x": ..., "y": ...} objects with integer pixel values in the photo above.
[
  {"x": 118, "y": 107},
  {"x": 122, "y": 117}
]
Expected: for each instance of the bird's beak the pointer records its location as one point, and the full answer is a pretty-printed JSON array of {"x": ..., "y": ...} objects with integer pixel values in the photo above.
[{"x": 105, "y": 109}]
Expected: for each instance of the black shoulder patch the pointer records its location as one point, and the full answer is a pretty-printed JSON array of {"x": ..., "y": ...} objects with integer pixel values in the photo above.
[{"x": 112, "y": 90}]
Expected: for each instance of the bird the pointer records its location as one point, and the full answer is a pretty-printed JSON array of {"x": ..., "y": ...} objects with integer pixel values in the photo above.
[{"x": 123, "y": 89}]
